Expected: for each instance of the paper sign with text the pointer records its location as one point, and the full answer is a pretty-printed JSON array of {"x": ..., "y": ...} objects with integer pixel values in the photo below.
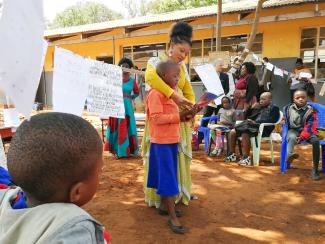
[
  {"x": 71, "y": 78},
  {"x": 105, "y": 95}
]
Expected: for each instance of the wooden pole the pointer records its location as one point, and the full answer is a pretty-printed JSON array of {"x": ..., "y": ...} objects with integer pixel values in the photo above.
[
  {"x": 218, "y": 28},
  {"x": 252, "y": 35}
]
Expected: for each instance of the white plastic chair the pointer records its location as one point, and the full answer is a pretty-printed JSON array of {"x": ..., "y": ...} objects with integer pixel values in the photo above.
[{"x": 256, "y": 141}]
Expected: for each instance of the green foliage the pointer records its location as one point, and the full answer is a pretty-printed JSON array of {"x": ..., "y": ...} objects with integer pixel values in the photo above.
[
  {"x": 136, "y": 8},
  {"x": 162, "y": 6},
  {"x": 83, "y": 13}
]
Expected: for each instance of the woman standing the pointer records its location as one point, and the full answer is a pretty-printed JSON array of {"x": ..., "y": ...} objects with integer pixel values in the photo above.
[
  {"x": 246, "y": 90},
  {"x": 178, "y": 49},
  {"x": 121, "y": 137}
]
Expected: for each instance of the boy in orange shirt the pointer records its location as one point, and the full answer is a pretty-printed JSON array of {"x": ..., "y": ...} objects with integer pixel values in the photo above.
[{"x": 164, "y": 129}]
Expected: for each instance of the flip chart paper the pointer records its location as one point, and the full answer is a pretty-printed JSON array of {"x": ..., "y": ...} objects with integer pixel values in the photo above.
[
  {"x": 278, "y": 71},
  {"x": 256, "y": 57},
  {"x": 294, "y": 81},
  {"x": 231, "y": 84},
  {"x": 211, "y": 80},
  {"x": 305, "y": 75},
  {"x": 21, "y": 46},
  {"x": 71, "y": 79},
  {"x": 322, "y": 91},
  {"x": 269, "y": 66},
  {"x": 232, "y": 70},
  {"x": 105, "y": 95}
]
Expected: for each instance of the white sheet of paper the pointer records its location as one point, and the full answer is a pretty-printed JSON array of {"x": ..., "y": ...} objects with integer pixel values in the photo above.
[
  {"x": 11, "y": 117},
  {"x": 269, "y": 66},
  {"x": 231, "y": 84},
  {"x": 71, "y": 78},
  {"x": 322, "y": 90},
  {"x": 256, "y": 57},
  {"x": 285, "y": 72},
  {"x": 294, "y": 81},
  {"x": 147, "y": 87},
  {"x": 21, "y": 29},
  {"x": 3, "y": 158},
  {"x": 105, "y": 96},
  {"x": 305, "y": 75},
  {"x": 211, "y": 80},
  {"x": 278, "y": 71},
  {"x": 232, "y": 70}
]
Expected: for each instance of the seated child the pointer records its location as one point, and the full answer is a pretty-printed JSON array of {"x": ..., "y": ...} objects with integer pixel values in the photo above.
[
  {"x": 56, "y": 159},
  {"x": 302, "y": 122},
  {"x": 227, "y": 120},
  {"x": 262, "y": 112},
  {"x": 164, "y": 131}
]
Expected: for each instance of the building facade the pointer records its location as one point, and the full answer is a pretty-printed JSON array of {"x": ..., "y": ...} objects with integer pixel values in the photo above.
[{"x": 288, "y": 29}]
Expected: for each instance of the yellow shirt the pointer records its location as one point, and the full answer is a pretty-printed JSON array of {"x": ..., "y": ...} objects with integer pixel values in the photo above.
[{"x": 155, "y": 82}]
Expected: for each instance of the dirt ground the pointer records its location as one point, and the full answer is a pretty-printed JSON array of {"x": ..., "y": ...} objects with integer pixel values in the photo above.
[{"x": 236, "y": 204}]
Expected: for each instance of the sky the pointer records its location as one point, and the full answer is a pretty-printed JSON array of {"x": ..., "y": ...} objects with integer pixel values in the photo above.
[{"x": 52, "y": 7}]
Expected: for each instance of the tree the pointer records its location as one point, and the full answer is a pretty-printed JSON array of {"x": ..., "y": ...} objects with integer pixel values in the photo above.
[
  {"x": 218, "y": 28},
  {"x": 159, "y": 6},
  {"x": 82, "y": 13},
  {"x": 136, "y": 9}
]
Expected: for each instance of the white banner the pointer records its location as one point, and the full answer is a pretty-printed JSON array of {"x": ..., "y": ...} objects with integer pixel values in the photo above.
[{"x": 76, "y": 79}]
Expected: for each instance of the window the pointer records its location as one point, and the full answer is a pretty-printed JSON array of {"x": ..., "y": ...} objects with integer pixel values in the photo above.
[
  {"x": 234, "y": 44},
  {"x": 105, "y": 59},
  {"x": 312, "y": 48},
  {"x": 142, "y": 53}
]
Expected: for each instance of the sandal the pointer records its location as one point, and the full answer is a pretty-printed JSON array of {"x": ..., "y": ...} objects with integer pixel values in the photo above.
[
  {"x": 165, "y": 212},
  {"x": 178, "y": 229},
  {"x": 292, "y": 157},
  {"x": 193, "y": 197}
]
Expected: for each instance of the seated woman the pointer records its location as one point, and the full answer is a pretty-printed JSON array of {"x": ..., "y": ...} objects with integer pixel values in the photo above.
[{"x": 264, "y": 112}]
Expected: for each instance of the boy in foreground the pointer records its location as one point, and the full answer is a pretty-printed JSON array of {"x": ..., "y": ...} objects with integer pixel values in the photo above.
[{"x": 56, "y": 159}]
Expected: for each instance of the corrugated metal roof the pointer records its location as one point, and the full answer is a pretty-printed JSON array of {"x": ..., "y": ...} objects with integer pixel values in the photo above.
[{"x": 230, "y": 7}]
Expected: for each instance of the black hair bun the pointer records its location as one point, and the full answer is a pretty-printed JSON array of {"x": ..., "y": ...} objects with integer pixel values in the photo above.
[{"x": 181, "y": 31}]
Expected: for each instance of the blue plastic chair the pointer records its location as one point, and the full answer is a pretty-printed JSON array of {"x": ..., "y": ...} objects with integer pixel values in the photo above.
[
  {"x": 321, "y": 123},
  {"x": 204, "y": 132}
]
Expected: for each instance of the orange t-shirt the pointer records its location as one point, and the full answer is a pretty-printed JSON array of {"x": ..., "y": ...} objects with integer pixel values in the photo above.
[{"x": 163, "y": 117}]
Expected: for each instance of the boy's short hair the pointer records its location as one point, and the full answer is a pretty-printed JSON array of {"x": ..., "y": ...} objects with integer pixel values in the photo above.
[
  {"x": 51, "y": 152},
  {"x": 164, "y": 66},
  {"x": 299, "y": 90}
]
